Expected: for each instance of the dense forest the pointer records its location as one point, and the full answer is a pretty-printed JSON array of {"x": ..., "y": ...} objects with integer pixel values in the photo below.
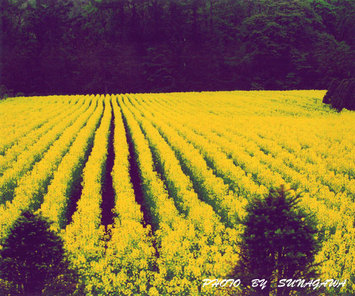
[{"x": 116, "y": 46}]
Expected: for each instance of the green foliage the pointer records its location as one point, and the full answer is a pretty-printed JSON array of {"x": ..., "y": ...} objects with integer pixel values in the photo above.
[
  {"x": 33, "y": 260},
  {"x": 331, "y": 91},
  {"x": 100, "y": 46},
  {"x": 341, "y": 94},
  {"x": 279, "y": 41},
  {"x": 279, "y": 242},
  {"x": 4, "y": 92},
  {"x": 157, "y": 69}
]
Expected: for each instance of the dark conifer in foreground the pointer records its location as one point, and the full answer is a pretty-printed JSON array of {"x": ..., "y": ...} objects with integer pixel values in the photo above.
[
  {"x": 331, "y": 91},
  {"x": 33, "y": 262},
  {"x": 279, "y": 242},
  {"x": 341, "y": 94}
]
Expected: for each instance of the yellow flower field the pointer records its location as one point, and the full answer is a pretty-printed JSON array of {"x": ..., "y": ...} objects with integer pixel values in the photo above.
[{"x": 184, "y": 166}]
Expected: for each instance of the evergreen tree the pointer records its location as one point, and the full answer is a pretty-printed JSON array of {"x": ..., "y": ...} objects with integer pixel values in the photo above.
[
  {"x": 341, "y": 94},
  {"x": 279, "y": 242},
  {"x": 32, "y": 260},
  {"x": 331, "y": 91}
]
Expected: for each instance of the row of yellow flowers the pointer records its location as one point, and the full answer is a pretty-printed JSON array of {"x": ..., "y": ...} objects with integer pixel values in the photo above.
[
  {"x": 179, "y": 258},
  {"x": 212, "y": 237},
  {"x": 55, "y": 114},
  {"x": 26, "y": 114},
  {"x": 128, "y": 265},
  {"x": 28, "y": 158},
  {"x": 83, "y": 237},
  {"x": 242, "y": 139},
  {"x": 56, "y": 201},
  {"x": 32, "y": 186}
]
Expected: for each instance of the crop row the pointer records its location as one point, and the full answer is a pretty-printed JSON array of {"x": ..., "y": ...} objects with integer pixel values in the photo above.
[{"x": 30, "y": 189}]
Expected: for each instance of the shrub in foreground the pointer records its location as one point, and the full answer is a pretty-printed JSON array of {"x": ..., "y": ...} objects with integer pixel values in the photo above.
[{"x": 33, "y": 262}]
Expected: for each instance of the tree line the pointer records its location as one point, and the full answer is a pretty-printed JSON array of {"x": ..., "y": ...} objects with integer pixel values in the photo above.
[{"x": 116, "y": 46}]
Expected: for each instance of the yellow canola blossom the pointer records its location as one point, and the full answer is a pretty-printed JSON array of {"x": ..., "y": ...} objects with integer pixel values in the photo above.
[{"x": 201, "y": 158}]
